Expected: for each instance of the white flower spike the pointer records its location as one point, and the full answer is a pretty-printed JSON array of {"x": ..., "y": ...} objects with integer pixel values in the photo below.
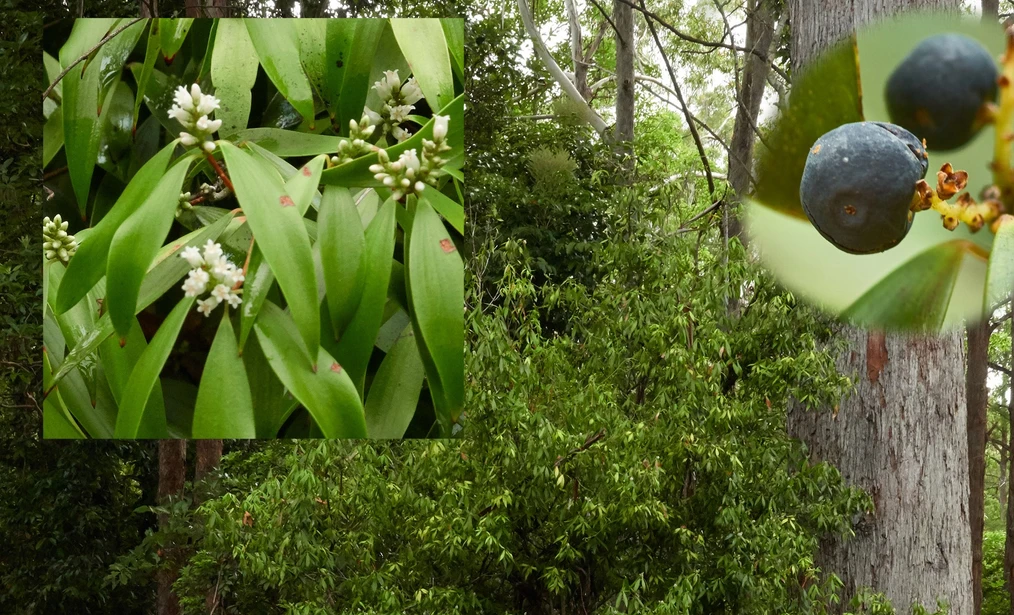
[
  {"x": 212, "y": 270},
  {"x": 191, "y": 110}
]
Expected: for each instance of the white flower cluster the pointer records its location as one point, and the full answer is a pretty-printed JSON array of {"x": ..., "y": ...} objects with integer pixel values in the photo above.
[
  {"x": 212, "y": 269},
  {"x": 356, "y": 144},
  {"x": 58, "y": 245},
  {"x": 192, "y": 110},
  {"x": 408, "y": 174},
  {"x": 398, "y": 102}
]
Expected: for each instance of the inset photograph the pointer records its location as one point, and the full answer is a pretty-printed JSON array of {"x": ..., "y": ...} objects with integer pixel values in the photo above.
[
  {"x": 253, "y": 228},
  {"x": 885, "y": 188}
]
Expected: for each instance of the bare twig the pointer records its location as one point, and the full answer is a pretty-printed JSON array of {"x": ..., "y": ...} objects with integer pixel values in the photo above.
[{"x": 85, "y": 55}]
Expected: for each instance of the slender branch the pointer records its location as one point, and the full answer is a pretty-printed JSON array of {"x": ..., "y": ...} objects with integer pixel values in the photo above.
[
  {"x": 221, "y": 172},
  {"x": 1000, "y": 368},
  {"x": 102, "y": 42},
  {"x": 604, "y": 14},
  {"x": 246, "y": 263},
  {"x": 686, "y": 110},
  {"x": 693, "y": 39}
]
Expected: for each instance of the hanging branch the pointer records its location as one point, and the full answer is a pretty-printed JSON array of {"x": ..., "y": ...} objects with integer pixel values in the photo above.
[
  {"x": 586, "y": 112},
  {"x": 686, "y": 110},
  {"x": 102, "y": 42}
]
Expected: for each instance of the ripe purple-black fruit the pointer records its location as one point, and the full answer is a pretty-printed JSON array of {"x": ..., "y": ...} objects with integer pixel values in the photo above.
[
  {"x": 939, "y": 89},
  {"x": 859, "y": 183}
]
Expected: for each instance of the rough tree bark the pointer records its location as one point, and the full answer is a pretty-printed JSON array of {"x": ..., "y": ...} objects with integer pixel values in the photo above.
[
  {"x": 207, "y": 8},
  {"x": 900, "y": 435},
  {"x": 978, "y": 396},
  {"x": 172, "y": 455},
  {"x": 991, "y": 10},
  {"x": 760, "y": 28},
  {"x": 149, "y": 8},
  {"x": 623, "y": 17},
  {"x": 209, "y": 455},
  {"x": 1001, "y": 483}
]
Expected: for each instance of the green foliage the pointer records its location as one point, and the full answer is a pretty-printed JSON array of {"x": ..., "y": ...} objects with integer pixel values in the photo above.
[
  {"x": 283, "y": 99},
  {"x": 995, "y": 599}
]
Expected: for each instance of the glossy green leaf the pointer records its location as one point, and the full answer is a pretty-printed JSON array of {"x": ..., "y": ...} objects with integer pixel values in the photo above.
[
  {"x": 224, "y": 406},
  {"x": 284, "y": 169},
  {"x": 137, "y": 241},
  {"x": 339, "y": 35},
  {"x": 150, "y": 55},
  {"x": 914, "y": 296},
  {"x": 327, "y": 393},
  {"x": 394, "y": 392},
  {"x": 52, "y": 136},
  {"x": 172, "y": 34},
  {"x": 424, "y": 45},
  {"x": 310, "y": 37},
  {"x": 303, "y": 184},
  {"x": 1000, "y": 272},
  {"x": 341, "y": 240},
  {"x": 164, "y": 273},
  {"x": 278, "y": 51},
  {"x": 824, "y": 96},
  {"x": 233, "y": 71},
  {"x": 119, "y": 361},
  {"x": 158, "y": 95},
  {"x": 434, "y": 275},
  {"x": 116, "y": 132},
  {"x": 84, "y": 92},
  {"x": 454, "y": 32},
  {"x": 281, "y": 236},
  {"x": 355, "y": 344},
  {"x": 288, "y": 143},
  {"x": 450, "y": 209},
  {"x": 357, "y": 172},
  {"x": 89, "y": 262},
  {"x": 258, "y": 283},
  {"x": 57, "y": 421},
  {"x": 355, "y": 74},
  {"x": 271, "y": 403},
  {"x": 134, "y": 421}
]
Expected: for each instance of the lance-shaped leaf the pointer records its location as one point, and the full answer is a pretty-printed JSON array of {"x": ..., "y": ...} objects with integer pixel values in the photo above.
[
  {"x": 224, "y": 406},
  {"x": 310, "y": 37},
  {"x": 272, "y": 405},
  {"x": 354, "y": 73},
  {"x": 341, "y": 240},
  {"x": 916, "y": 295},
  {"x": 133, "y": 420},
  {"x": 303, "y": 185},
  {"x": 1000, "y": 272},
  {"x": 454, "y": 31},
  {"x": 424, "y": 45},
  {"x": 172, "y": 34},
  {"x": 164, "y": 273},
  {"x": 52, "y": 72},
  {"x": 357, "y": 172},
  {"x": 118, "y": 362},
  {"x": 394, "y": 392},
  {"x": 52, "y": 136},
  {"x": 89, "y": 262},
  {"x": 136, "y": 243},
  {"x": 434, "y": 276},
  {"x": 355, "y": 345},
  {"x": 281, "y": 235},
  {"x": 288, "y": 143},
  {"x": 450, "y": 209},
  {"x": 150, "y": 55},
  {"x": 327, "y": 393},
  {"x": 278, "y": 50},
  {"x": 57, "y": 421},
  {"x": 85, "y": 89},
  {"x": 233, "y": 71}
]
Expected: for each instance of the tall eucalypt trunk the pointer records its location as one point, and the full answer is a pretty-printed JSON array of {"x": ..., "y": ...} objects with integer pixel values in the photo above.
[{"x": 900, "y": 435}]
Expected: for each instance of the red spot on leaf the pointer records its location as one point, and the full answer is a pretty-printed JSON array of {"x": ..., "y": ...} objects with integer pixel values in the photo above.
[
  {"x": 306, "y": 172},
  {"x": 447, "y": 246},
  {"x": 286, "y": 201},
  {"x": 336, "y": 368}
]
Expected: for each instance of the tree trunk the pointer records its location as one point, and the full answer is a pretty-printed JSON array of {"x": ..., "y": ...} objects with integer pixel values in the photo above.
[
  {"x": 1008, "y": 552},
  {"x": 991, "y": 11},
  {"x": 209, "y": 454},
  {"x": 149, "y": 8},
  {"x": 760, "y": 28},
  {"x": 623, "y": 17},
  {"x": 975, "y": 384},
  {"x": 1001, "y": 483},
  {"x": 172, "y": 455},
  {"x": 900, "y": 435},
  {"x": 577, "y": 51},
  {"x": 207, "y": 8}
]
